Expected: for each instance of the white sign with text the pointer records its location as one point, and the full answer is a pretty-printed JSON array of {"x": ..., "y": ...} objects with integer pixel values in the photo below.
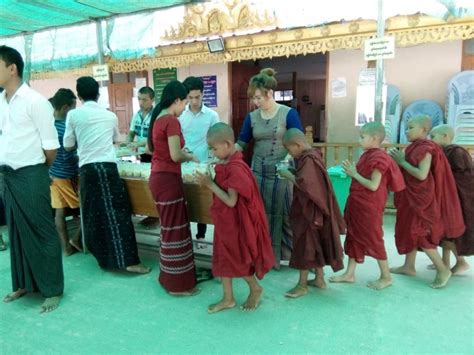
[
  {"x": 100, "y": 72},
  {"x": 379, "y": 48}
]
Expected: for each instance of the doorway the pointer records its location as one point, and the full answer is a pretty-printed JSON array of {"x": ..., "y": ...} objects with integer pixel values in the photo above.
[
  {"x": 301, "y": 85},
  {"x": 122, "y": 89}
]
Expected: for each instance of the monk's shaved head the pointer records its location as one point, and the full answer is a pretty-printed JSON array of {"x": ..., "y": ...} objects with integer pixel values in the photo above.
[
  {"x": 294, "y": 136},
  {"x": 374, "y": 129},
  {"x": 423, "y": 121},
  {"x": 444, "y": 129},
  {"x": 220, "y": 132}
]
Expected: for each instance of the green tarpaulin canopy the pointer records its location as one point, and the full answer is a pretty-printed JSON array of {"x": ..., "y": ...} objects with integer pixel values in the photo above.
[{"x": 17, "y": 16}]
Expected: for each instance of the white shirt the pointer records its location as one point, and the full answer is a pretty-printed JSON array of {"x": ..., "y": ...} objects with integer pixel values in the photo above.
[
  {"x": 26, "y": 128},
  {"x": 94, "y": 130},
  {"x": 140, "y": 125},
  {"x": 195, "y": 127}
]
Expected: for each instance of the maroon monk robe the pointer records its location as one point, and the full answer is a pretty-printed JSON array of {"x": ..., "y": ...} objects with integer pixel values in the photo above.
[
  {"x": 315, "y": 217},
  {"x": 364, "y": 208},
  {"x": 430, "y": 209},
  {"x": 463, "y": 171},
  {"x": 242, "y": 244}
]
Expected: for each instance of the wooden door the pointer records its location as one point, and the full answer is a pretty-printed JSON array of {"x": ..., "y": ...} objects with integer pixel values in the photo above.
[
  {"x": 121, "y": 104},
  {"x": 241, "y": 104}
]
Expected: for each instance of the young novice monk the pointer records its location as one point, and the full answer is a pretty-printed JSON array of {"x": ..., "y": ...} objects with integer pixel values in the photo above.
[
  {"x": 428, "y": 209},
  {"x": 374, "y": 175},
  {"x": 463, "y": 171},
  {"x": 242, "y": 244},
  {"x": 315, "y": 217}
]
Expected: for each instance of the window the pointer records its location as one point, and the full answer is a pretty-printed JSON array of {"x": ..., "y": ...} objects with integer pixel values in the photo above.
[{"x": 284, "y": 95}]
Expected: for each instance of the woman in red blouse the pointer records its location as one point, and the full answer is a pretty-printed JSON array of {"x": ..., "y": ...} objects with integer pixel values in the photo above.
[{"x": 166, "y": 142}]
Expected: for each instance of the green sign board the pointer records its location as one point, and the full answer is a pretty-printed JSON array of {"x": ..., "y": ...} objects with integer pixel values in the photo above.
[{"x": 161, "y": 77}]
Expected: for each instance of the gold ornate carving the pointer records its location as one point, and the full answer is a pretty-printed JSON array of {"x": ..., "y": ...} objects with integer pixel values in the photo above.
[
  {"x": 210, "y": 19},
  {"x": 413, "y": 20},
  {"x": 325, "y": 31},
  {"x": 273, "y": 37},
  {"x": 61, "y": 74},
  {"x": 298, "y": 34},
  {"x": 354, "y": 27}
]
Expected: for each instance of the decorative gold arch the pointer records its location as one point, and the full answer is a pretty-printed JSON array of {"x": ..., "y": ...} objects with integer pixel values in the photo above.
[{"x": 201, "y": 22}]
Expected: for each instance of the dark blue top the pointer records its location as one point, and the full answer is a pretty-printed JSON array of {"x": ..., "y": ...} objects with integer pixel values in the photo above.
[
  {"x": 65, "y": 165},
  {"x": 292, "y": 121}
]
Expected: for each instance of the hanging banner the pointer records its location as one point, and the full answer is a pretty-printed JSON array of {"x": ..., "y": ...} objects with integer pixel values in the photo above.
[
  {"x": 210, "y": 90},
  {"x": 365, "y": 101},
  {"x": 161, "y": 77}
]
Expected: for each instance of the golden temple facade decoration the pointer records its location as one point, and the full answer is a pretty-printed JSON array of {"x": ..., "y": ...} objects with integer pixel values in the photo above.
[{"x": 231, "y": 18}]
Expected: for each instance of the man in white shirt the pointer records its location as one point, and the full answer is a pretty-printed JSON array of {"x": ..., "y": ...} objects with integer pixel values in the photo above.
[
  {"x": 108, "y": 229},
  {"x": 141, "y": 121},
  {"x": 3, "y": 223},
  {"x": 195, "y": 121},
  {"x": 28, "y": 143}
]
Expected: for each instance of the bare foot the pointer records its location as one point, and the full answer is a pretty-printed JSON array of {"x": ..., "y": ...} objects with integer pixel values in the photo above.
[
  {"x": 343, "y": 278},
  {"x": 14, "y": 295},
  {"x": 50, "y": 304},
  {"x": 297, "y": 291},
  {"x": 138, "y": 269},
  {"x": 253, "y": 300},
  {"x": 403, "y": 270},
  {"x": 192, "y": 292},
  {"x": 222, "y": 305},
  {"x": 441, "y": 279},
  {"x": 460, "y": 268},
  {"x": 379, "y": 284},
  {"x": 76, "y": 243},
  {"x": 317, "y": 282}
]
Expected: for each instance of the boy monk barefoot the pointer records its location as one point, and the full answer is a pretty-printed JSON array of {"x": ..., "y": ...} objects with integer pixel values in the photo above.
[
  {"x": 373, "y": 176},
  {"x": 463, "y": 170},
  {"x": 428, "y": 209},
  {"x": 242, "y": 245},
  {"x": 315, "y": 217}
]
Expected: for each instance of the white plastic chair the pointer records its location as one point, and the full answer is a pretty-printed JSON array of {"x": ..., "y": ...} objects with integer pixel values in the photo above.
[
  {"x": 460, "y": 95},
  {"x": 392, "y": 114}
]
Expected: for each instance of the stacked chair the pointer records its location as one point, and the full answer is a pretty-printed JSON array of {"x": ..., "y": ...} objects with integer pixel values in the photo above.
[
  {"x": 392, "y": 114},
  {"x": 460, "y": 106}
]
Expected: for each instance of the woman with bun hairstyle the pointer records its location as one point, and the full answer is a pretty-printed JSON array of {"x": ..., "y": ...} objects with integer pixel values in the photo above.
[{"x": 266, "y": 126}]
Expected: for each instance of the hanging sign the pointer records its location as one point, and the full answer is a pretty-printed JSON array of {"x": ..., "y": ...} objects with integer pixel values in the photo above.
[
  {"x": 379, "y": 48},
  {"x": 161, "y": 77},
  {"x": 100, "y": 72},
  {"x": 210, "y": 90}
]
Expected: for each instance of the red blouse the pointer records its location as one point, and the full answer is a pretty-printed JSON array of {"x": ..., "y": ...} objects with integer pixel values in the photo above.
[{"x": 164, "y": 127}]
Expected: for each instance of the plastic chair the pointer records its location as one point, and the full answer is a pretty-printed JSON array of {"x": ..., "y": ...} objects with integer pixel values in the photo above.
[
  {"x": 392, "y": 114},
  {"x": 460, "y": 95}
]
